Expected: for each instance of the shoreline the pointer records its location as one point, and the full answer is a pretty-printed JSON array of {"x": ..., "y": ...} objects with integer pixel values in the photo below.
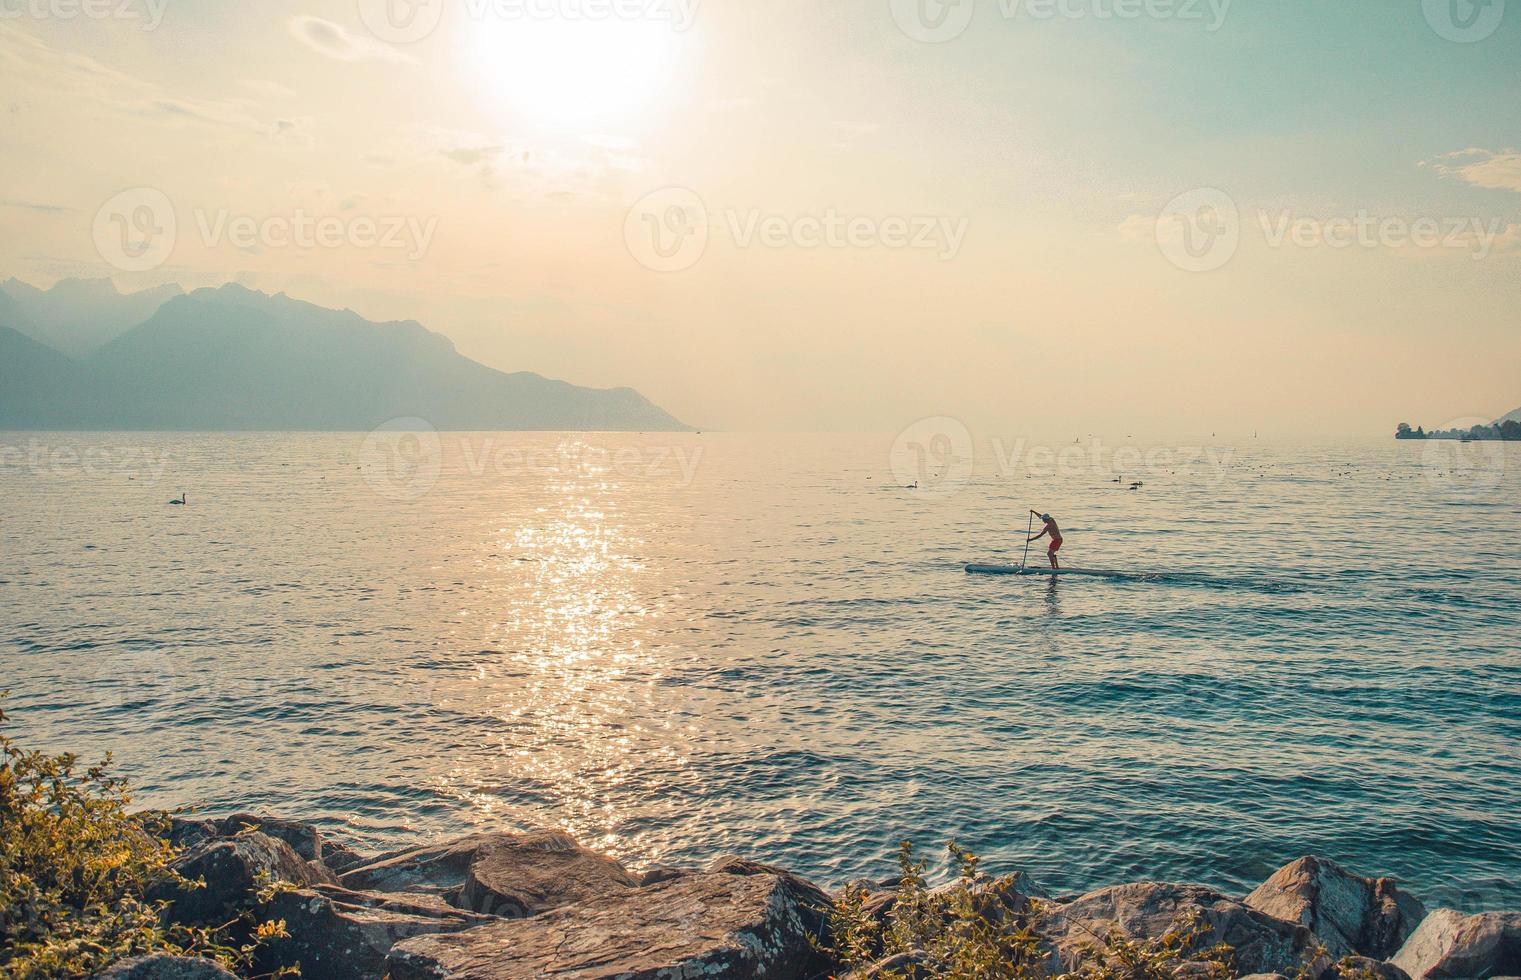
[{"x": 482, "y": 906}]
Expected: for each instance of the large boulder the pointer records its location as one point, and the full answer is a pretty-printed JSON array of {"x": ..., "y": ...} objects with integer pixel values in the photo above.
[
  {"x": 1150, "y": 910},
  {"x": 439, "y": 868},
  {"x": 1364, "y": 968},
  {"x": 732, "y": 925},
  {"x": 340, "y": 857},
  {"x": 510, "y": 875},
  {"x": 304, "y": 838},
  {"x": 337, "y": 934},
  {"x": 534, "y": 873},
  {"x": 166, "y": 968},
  {"x": 233, "y": 869},
  {"x": 1352, "y": 915},
  {"x": 1450, "y": 944}
]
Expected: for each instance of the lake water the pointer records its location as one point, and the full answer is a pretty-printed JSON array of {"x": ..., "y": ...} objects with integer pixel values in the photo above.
[{"x": 680, "y": 646}]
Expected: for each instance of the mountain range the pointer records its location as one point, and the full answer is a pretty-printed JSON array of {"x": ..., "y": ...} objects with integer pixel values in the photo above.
[{"x": 232, "y": 358}]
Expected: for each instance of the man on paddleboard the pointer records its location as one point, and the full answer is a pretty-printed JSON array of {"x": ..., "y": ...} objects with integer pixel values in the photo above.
[{"x": 1056, "y": 536}]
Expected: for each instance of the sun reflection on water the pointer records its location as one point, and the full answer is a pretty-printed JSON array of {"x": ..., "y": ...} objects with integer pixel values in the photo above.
[{"x": 569, "y": 682}]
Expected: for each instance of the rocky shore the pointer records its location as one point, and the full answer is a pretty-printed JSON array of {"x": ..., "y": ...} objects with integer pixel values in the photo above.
[{"x": 516, "y": 906}]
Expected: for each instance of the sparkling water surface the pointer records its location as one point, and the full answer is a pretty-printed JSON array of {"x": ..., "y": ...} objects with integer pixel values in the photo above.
[{"x": 682, "y": 646}]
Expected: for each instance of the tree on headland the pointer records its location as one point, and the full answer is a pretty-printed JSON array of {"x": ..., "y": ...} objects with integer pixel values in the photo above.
[{"x": 1508, "y": 431}]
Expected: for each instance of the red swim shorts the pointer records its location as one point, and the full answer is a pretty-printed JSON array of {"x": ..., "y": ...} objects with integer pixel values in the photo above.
[{"x": 1055, "y": 543}]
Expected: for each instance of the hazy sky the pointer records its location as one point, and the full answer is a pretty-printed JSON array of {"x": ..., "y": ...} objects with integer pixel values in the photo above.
[{"x": 1153, "y": 216}]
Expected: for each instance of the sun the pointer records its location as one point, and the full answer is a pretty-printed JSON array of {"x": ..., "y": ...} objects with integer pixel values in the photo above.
[{"x": 576, "y": 72}]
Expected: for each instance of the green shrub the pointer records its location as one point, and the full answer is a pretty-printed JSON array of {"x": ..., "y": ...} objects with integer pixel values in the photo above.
[
  {"x": 75, "y": 872},
  {"x": 964, "y": 931}
]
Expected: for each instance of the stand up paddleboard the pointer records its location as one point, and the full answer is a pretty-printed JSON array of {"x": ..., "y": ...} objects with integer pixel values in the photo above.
[{"x": 1029, "y": 570}]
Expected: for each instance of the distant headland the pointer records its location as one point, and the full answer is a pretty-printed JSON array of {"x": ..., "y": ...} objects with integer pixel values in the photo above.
[
  {"x": 1507, "y": 429},
  {"x": 84, "y": 356}
]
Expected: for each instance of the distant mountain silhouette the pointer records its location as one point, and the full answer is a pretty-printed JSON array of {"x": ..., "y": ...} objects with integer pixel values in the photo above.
[
  {"x": 36, "y": 382},
  {"x": 234, "y": 359},
  {"x": 78, "y": 316},
  {"x": 1512, "y": 417}
]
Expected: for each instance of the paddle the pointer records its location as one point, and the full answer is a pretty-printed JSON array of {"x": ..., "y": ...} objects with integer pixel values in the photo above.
[{"x": 1029, "y": 526}]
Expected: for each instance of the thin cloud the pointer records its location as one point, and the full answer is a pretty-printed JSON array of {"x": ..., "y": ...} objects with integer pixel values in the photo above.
[
  {"x": 33, "y": 206},
  {"x": 328, "y": 38},
  {"x": 1493, "y": 170},
  {"x": 469, "y": 156}
]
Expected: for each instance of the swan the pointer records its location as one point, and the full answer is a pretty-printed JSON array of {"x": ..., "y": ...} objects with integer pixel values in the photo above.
[{"x": 180, "y": 502}]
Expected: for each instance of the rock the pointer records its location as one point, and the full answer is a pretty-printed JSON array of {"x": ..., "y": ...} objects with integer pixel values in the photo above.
[
  {"x": 232, "y": 869},
  {"x": 339, "y": 857},
  {"x": 1364, "y": 968},
  {"x": 527, "y": 875},
  {"x": 736, "y": 926},
  {"x": 1149, "y": 910},
  {"x": 304, "y": 838},
  {"x": 1263, "y": 976},
  {"x": 188, "y": 832},
  {"x": 1353, "y": 916},
  {"x": 166, "y": 968},
  {"x": 1448, "y": 944},
  {"x": 510, "y": 875},
  {"x": 656, "y": 873},
  {"x": 337, "y": 934},
  {"x": 439, "y": 868}
]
